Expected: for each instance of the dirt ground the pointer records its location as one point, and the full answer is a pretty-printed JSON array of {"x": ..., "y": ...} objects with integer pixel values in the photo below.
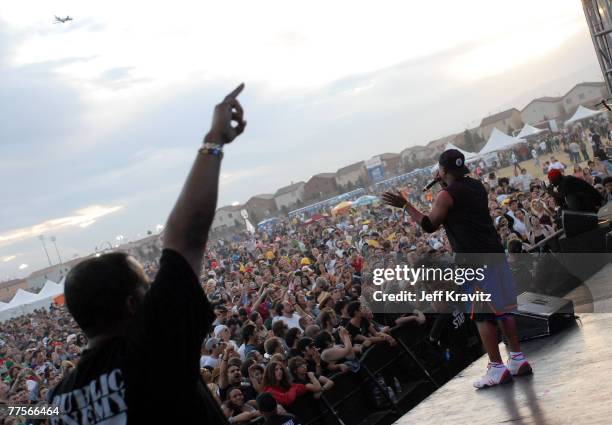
[{"x": 536, "y": 171}]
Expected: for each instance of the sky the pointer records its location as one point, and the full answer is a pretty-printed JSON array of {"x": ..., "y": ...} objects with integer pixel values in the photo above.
[{"x": 102, "y": 116}]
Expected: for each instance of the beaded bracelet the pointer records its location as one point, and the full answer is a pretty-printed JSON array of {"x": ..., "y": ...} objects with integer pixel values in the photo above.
[{"x": 212, "y": 149}]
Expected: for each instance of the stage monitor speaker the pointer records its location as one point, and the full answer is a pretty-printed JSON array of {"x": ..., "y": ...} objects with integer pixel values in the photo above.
[
  {"x": 540, "y": 315},
  {"x": 575, "y": 223}
]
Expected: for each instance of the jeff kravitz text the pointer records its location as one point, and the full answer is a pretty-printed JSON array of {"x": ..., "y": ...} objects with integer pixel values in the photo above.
[{"x": 448, "y": 296}]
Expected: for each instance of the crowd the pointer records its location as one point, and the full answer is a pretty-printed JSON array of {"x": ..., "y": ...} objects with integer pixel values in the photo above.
[
  {"x": 36, "y": 351},
  {"x": 289, "y": 302}
]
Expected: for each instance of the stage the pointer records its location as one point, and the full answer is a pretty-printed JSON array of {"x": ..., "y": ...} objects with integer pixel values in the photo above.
[{"x": 570, "y": 384}]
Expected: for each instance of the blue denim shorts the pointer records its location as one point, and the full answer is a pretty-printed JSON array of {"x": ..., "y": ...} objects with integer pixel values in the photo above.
[{"x": 499, "y": 283}]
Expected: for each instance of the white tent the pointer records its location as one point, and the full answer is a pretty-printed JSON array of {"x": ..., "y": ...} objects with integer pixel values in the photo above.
[
  {"x": 22, "y": 297},
  {"x": 499, "y": 141},
  {"x": 51, "y": 289},
  {"x": 582, "y": 113},
  {"x": 529, "y": 130},
  {"x": 25, "y": 302}
]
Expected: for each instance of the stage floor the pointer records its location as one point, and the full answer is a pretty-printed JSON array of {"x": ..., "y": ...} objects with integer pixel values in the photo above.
[{"x": 570, "y": 384}]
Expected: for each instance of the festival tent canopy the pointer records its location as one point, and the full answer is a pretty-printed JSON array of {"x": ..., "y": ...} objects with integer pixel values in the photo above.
[
  {"x": 341, "y": 207},
  {"x": 25, "y": 302},
  {"x": 499, "y": 141},
  {"x": 365, "y": 200},
  {"x": 528, "y": 131},
  {"x": 582, "y": 113},
  {"x": 316, "y": 217},
  {"x": 267, "y": 222},
  {"x": 51, "y": 289},
  {"x": 22, "y": 297}
]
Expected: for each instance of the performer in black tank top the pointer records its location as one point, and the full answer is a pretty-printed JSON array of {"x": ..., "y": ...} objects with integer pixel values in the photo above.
[
  {"x": 468, "y": 223},
  {"x": 462, "y": 208}
]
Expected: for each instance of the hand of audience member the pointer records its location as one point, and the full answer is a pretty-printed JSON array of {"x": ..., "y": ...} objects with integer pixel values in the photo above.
[
  {"x": 252, "y": 374},
  {"x": 390, "y": 340},
  {"x": 221, "y": 130},
  {"x": 420, "y": 316},
  {"x": 342, "y": 332}
]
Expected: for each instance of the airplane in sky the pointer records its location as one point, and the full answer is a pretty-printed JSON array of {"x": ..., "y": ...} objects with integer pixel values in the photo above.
[{"x": 59, "y": 20}]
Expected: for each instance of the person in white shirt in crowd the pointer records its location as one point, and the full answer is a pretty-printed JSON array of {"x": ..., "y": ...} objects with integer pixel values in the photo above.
[
  {"x": 286, "y": 313},
  {"x": 492, "y": 181},
  {"x": 525, "y": 180},
  {"x": 555, "y": 164},
  {"x": 515, "y": 161},
  {"x": 519, "y": 223},
  {"x": 513, "y": 208},
  {"x": 213, "y": 347},
  {"x": 515, "y": 181},
  {"x": 536, "y": 158},
  {"x": 574, "y": 152},
  {"x": 223, "y": 333}
]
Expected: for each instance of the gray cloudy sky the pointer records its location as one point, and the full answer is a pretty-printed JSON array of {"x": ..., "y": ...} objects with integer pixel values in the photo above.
[{"x": 102, "y": 116}]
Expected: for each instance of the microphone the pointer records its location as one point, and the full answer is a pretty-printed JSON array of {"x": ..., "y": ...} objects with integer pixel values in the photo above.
[{"x": 430, "y": 185}]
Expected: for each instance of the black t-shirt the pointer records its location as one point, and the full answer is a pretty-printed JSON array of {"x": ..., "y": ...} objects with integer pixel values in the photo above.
[
  {"x": 311, "y": 366},
  {"x": 363, "y": 329},
  {"x": 450, "y": 328},
  {"x": 468, "y": 224},
  {"x": 151, "y": 374}
]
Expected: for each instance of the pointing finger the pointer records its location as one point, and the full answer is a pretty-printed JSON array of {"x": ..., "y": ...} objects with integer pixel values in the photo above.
[{"x": 235, "y": 92}]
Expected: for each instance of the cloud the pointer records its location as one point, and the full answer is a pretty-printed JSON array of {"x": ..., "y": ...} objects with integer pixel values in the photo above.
[
  {"x": 82, "y": 218},
  {"x": 120, "y": 78},
  {"x": 235, "y": 176},
  {"x": 118, "y": 73},
  {"x": 7, "y": 258}
]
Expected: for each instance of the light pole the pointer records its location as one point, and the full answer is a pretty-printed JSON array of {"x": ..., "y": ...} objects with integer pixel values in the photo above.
[
  {"x": 42, "y": 240},
  {"x": 56, "y": 250}
]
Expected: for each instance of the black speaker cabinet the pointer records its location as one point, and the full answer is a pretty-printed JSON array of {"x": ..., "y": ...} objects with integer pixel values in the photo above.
[
  {"x": 542, "y": 315},
  {"x": 575, "y": 223}
]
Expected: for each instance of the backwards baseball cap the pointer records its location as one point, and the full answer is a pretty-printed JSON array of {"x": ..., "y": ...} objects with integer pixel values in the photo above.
[
  {"x": 266, "y": 403},
  {"x": 554, "y": 175},
  {"x": 219, "y": 329},
  {"x": 453, "y": 160},
  {"x": 212, "y": 343}
]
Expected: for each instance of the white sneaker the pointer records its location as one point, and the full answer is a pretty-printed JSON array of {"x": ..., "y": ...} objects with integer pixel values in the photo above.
[
  {"x": 519, "y": 367},
  {"x": 495, "y": 375}
]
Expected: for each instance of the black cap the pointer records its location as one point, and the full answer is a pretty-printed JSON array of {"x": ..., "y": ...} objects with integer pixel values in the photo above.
[
  {"x": 266, "y": 403},
  {"x": 453, "y": 160}
]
